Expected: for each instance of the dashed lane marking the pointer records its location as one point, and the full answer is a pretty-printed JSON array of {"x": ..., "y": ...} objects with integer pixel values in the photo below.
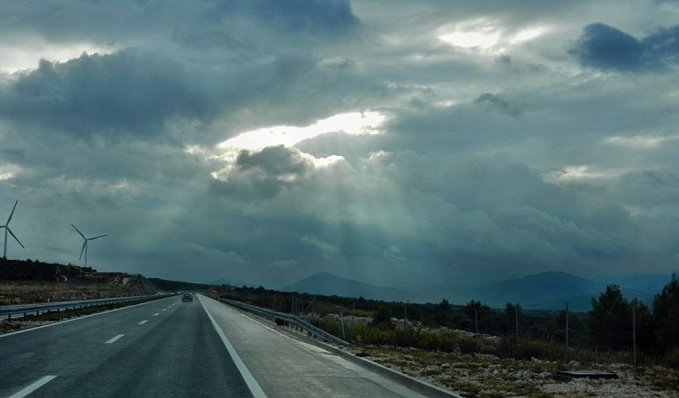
[
  {"x": 114, "y": 339},
  {"x": 33, "y": 386}
]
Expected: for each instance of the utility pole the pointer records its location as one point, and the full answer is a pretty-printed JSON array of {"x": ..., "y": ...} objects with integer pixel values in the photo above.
[
  {"x": 516, "y": 318},
  {"x": 634, "y": 331},
  {"x": 344, "y": 336},
  {"x": 566, "y": 325},
  {"x": 353, "y": 310},
  {"x": 405, "y": 319},
  {"x": 476, "y": 326}
]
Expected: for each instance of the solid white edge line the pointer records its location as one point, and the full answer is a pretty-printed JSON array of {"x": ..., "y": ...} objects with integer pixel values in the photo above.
[
  {"x": 252, "y": 384},
  {"x": 33, "y": 386},
  {"x": 114, "y": 339},
  {"x": 76, "y": 319}
]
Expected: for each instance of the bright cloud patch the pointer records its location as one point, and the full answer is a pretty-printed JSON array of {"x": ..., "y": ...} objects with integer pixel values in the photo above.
[
  {"x": 640, "y": 141},
  {"x": 582, "y": 172},
  {"x": 354, "y": 123},
  {"x": 487, "y": 35},
  {"x": 8, "y": 171},
  {"x": 24, "y": 56},
  {"x": 280, "y": 141}
]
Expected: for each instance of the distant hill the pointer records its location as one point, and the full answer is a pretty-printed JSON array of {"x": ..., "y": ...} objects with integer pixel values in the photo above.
[
  {"x": 532, "y": 291},
  {"x": 328, "y": 284},
  {"x": 547, "y": 290}
]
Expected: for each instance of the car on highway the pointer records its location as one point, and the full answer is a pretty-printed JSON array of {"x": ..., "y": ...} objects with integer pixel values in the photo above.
[{"x": 187, "y": 297}]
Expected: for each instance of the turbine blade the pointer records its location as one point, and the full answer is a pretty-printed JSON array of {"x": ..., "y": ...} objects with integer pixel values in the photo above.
[
  {"x": 83, "y": 249},
  {"x": 15, "y": 238},
  {"x": 78, "y": 231},
  {"x": 96, "y": 237},
  {"x": 12, "y": 213}
]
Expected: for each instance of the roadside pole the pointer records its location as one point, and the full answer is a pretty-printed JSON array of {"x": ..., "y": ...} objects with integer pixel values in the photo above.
[
  {"x": 566, "y": 325},
  {"x": 634, "y": 332},
  {"x": 516, "y": 318}
]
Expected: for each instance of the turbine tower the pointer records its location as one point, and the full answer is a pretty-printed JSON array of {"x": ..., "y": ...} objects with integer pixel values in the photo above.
[
  {"x": 6, "y": 226},
  {"x": 85, "y": 240}
]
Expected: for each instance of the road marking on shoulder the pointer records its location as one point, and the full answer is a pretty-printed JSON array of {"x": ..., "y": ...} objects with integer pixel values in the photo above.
[
  {"x": 143, "y": 322},
  {"x": 254, "y": 387},
  {"x": 33, "y": 386},
  {"x": 114, "y": 339},
  {"x": 156, "y": 314}
]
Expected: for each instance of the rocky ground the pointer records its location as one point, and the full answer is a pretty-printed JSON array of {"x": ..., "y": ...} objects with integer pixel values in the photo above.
[{"x": 487, "y": 376}]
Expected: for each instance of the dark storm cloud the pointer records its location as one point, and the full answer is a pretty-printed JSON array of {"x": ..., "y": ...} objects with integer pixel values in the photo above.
[
  {"x": 75, "y": 19},
  {"x": 109, "y": 94},
  {"x": 605, "y": 47},
  {"x": 495, "y": 103},
  {"x": 274, "y": 161},
  {"x": 257, "y": 175},
  {"x": 329, "y": 17}
]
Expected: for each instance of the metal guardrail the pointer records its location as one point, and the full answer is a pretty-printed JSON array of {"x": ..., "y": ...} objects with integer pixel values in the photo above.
[
  {"x": 294, "y": 319},
  {"x": 6, "y": 312}
]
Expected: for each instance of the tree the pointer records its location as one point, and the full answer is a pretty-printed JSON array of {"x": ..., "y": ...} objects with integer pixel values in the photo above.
[
  {"x": 611, "y": 319},
  {"x": 444, "y": 305},
  {"x": 477, "y": 311},
  {"x": 442, "y": 313},
  {"x": 666, "y": 315},
  {"x": 476, "y": 308}
]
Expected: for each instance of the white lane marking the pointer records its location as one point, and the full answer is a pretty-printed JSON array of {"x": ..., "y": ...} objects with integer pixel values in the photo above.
[
  {"x": 33, "y": 386},
  {"x": 164, "y": 309},
  {"x": 114, "y": 339},
  {"x": 78, "y": 318},
  {"x": 156, "y": 314},
  {"x": 254, "y": 387},
  {"x": 143, "y": 322}
]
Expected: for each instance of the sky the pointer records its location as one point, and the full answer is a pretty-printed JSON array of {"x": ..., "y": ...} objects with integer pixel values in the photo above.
[{"x": 388, "y": 141}]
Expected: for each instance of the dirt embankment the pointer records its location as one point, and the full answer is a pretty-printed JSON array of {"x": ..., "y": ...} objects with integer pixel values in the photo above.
[
  {"x": 26, "y": 281},
  {"x": 22, "y": 292}
]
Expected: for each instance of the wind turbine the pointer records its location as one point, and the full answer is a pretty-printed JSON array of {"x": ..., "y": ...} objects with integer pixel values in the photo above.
[
  {"x": 84, "y": 248},
  {"x": 6, "y": 226}
]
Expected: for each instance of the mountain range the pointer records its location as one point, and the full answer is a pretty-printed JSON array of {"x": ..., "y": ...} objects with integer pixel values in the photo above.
[{"x": 547, "y": 290}]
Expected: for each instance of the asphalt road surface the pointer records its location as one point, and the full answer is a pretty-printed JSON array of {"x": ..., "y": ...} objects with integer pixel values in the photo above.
[{"x": 169, "y": 348}]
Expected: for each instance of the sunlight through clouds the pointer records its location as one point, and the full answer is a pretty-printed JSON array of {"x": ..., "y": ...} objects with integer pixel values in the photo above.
[
  {"x": 8, "y": 171},
  {"x": 487, "y": 35},
  {"x": 354, "y": 123}
]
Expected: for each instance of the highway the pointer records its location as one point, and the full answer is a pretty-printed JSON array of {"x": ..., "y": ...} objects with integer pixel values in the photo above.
[{"x": 169, "y": 348}]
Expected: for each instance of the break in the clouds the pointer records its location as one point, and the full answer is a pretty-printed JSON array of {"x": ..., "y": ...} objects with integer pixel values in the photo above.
[{"x": 395, "y": 142}]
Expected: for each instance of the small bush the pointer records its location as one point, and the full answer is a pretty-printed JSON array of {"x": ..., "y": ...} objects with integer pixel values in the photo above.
[{"x": 467, "y": 345}]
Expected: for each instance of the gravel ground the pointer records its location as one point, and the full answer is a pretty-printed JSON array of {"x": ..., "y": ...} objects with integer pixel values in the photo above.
[{"x": 487, "y": 376}]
